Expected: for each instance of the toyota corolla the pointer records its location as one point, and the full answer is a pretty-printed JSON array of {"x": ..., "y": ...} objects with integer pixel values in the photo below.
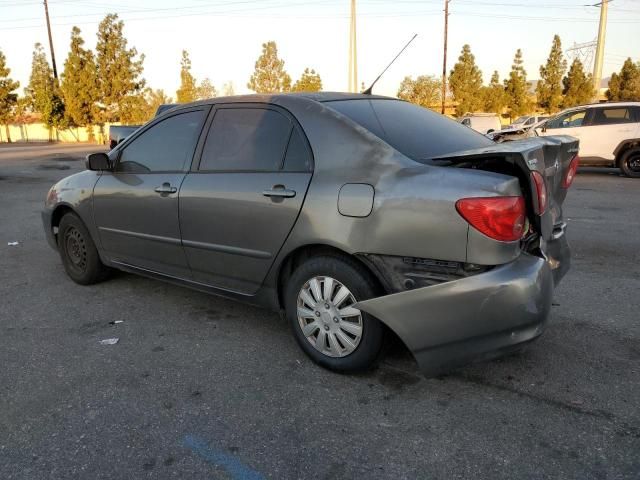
[{"x": 351, "y": 214}]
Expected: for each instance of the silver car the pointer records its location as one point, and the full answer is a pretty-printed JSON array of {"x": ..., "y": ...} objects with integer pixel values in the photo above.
[{"x": 350, "y": 214}]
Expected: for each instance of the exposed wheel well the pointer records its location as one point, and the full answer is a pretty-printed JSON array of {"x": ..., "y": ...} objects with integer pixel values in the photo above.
[
  {"x": 301, "y": 254},
  {"x": 59, "y": 212}
]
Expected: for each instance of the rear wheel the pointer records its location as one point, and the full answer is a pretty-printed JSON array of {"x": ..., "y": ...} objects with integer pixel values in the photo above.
[
  {"x": 78, "y": 252},
  {"x": 319, "y": 303},
  {"x": 630, "y": 163}
]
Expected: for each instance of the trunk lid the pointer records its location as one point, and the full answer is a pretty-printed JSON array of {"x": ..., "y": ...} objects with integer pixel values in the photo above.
[{"x": 549, "y": 156}]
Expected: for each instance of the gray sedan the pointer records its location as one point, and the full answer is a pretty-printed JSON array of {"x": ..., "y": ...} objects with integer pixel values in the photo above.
[{"x": 351, "y": 214}]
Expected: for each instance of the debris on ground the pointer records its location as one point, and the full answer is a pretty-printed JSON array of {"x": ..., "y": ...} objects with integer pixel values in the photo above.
[
  {"x": 13, "y": 244},
  {"x": 109, "y": 341}
]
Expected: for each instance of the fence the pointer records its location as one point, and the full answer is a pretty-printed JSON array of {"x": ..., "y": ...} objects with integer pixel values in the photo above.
[{"x": 39, "y": 132}]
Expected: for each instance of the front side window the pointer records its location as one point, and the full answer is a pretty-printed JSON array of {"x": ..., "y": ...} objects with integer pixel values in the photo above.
[
  {"x": 530, "y": 121},
  {"x": 165, "y": 147},
  {"x": 521, "y": 119},
  {"x": 568, "y": 120},
  {"x": 246, "y": 139},
  {"x": 611, "y": 116}
]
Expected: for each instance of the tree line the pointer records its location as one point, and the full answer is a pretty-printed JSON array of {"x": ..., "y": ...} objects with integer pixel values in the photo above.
[
  {"x": 558, "y": 88},
  {"x": 107, "y": 85}
]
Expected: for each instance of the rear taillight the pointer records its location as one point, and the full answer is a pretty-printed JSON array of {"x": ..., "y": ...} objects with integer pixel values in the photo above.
[
  {"x": 541, "y": 192},
  {"x": 571, "y": 172},
  {"x": 501, "y": 218}
]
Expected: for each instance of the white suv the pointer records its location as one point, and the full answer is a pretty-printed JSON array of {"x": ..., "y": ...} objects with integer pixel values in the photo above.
[{"x": 609, "y": 134}]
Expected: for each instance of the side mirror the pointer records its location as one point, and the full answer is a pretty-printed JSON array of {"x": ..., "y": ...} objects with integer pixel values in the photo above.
[{"x": 98, "y": 161}]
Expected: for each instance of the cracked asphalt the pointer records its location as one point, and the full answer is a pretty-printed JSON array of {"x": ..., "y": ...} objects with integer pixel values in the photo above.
[{"x": 200, "y": 387}]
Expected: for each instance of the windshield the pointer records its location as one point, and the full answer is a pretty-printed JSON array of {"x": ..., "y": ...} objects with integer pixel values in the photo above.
[
  {"x": 416, "y": 132},
  {"x": 521, "y": 119}
]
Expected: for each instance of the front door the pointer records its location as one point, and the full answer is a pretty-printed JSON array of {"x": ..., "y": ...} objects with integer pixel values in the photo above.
[
  {"x": 136, "y": 205},
  {"x": 570, "y": 123},
  {"x": 239, "y": 204}
]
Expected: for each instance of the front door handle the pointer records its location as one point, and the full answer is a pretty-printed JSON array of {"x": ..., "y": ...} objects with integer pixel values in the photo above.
[
  {"x": 279, "y": 191},
  {"x": 166, "y": 188}
]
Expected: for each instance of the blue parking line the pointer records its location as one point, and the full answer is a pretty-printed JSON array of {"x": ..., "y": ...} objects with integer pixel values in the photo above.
[{"x": 233, "y": 466}]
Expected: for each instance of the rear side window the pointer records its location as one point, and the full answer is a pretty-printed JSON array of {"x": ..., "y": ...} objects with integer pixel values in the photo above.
[
  {"x": 610, "y": 116},
  {"x": 246, "y": 139},
  {"x": 298, "y": 157},
  {"x": 166, "y": 146},
  {"x": 414, "y": 131}
]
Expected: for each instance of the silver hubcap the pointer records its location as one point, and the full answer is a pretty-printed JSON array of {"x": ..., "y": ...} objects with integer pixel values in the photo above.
[{"x": 327, "y": 317}]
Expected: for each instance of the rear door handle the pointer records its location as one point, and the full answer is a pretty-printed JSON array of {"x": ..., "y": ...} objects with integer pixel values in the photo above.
[
  {"x": 166, "y": 188},
  {"x": 279, "y": 191}
]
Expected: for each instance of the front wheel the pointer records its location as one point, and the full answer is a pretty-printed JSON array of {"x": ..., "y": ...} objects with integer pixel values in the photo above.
[
  {"x": 630, "y": 163},
  {"x": 78, "y": 252},
  {"x": 319, "y": 301}
]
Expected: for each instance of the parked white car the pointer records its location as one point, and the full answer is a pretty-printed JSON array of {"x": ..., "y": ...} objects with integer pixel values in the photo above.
[
  {"x": 482, "y": 122},
  {"x": 525, "y": 122},
  {"x": 609, "y": 134}
]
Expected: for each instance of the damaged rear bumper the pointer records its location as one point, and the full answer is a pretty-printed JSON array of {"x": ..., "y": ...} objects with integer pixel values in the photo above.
[{"x": 477, "y": 317}]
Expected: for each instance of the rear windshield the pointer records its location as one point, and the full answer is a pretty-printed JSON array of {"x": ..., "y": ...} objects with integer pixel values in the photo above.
[{"x": 416, "y": 132}]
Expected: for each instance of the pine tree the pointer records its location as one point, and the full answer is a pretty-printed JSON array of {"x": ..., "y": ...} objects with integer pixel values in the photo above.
[
  {"x": 494, "y": 98},
  {"x": 516, "y": 88},
  {"x": 43, "y": 92},
  {"x": 154, "y": 99},
  {"x": 465, "y": 83},
  {"x": 8, "y": 99},
  {"x": 269, "y": 75},
  {"x": 425, "y": 91},
  {"x": 187, "y": 91},
  {"x": 119, "y": 71},
  {"x": 206, "y": 90},
  {"x": 549, "y": 88},
  {"x": 309, "y": 82},
  {"x": 625, "y": 86},
  {"x": 79, "y": 84},
  {"x": 577, "y": 86}
]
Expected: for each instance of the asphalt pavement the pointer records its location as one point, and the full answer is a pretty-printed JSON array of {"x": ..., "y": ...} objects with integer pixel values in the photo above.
[{"x": 200, "y": 387}]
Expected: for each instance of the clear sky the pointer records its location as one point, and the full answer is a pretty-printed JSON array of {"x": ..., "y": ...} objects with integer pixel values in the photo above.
[{"x": 224, "y": 37}]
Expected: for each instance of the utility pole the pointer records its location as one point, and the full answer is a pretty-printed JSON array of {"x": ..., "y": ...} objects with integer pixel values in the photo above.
[
  {"x": 444, "y": 60},
  {"x": 353, "y": 51},
  {"x": 597, "y": 64},
  {"x": 53, "y": 55}
]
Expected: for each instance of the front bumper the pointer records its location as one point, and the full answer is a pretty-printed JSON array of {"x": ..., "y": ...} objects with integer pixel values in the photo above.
[{"x": 455, "y": 322}]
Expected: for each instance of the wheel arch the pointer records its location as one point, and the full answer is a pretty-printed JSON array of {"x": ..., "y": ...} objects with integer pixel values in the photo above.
[
  {"x": 299, "y": 255},
  {"x": 623, "y": 147},
  {"x": 58, "y": 212}
]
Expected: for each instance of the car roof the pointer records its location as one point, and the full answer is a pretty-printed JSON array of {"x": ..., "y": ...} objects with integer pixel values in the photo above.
[
  {"x": 596, "y": 105},
  {"x": 608, "y": 104},
  {"x": 302, "y": 96}
]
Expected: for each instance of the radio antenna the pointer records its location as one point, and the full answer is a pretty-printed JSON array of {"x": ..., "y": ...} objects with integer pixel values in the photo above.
[{"x": 370, "y": 89}]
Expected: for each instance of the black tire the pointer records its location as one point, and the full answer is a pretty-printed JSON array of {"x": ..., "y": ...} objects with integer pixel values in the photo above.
[
  {"x": 630, "y": 163},
  {"x": 78, "y": 252},
  {"x": 363, "y": 286}
]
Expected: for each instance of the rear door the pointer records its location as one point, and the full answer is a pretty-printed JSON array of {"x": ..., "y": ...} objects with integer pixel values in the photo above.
[
  {"x": 136, "y": 205},
  {"x": 608, "y": 127},
  {"x": 241, "y": 200}
]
